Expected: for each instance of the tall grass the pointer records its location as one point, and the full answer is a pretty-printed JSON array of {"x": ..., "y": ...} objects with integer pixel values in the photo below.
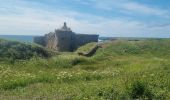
[{"x": 121, "y": 70}]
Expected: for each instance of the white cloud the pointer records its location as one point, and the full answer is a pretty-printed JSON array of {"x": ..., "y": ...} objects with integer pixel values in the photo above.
[
  {"x": 22, "y": 19},
  {"x": 127, "y": 6},
  {"x": 140, "y": 8}
]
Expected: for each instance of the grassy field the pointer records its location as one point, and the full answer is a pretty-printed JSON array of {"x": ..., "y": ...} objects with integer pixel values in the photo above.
[{"x": 121, "y": 70}]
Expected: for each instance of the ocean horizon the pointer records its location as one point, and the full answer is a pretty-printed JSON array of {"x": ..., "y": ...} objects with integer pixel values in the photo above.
[
  {"x": 22, "y": 38},
  {"x": 29, "y": 38}
]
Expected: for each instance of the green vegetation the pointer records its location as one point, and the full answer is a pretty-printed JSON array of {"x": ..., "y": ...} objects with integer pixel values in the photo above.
[
  {"x": 121, "y": 70},
  {"x": 13, "y": 50},
  {"x": 86, "y": 48}
]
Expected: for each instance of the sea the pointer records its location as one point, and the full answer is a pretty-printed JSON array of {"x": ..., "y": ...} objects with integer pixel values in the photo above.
[
  {"x": 28, "y": 38},
  {"x": 21, "y": 38}
]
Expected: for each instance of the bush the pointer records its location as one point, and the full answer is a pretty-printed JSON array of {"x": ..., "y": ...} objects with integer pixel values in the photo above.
[
  {"x": 140, "y": 90},
  {"x": 21, "y": 51},
  {"x": 110, "y": 93}
]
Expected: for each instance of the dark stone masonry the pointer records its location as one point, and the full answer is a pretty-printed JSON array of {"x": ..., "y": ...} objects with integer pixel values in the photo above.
[{"x": 64, "y": 39}]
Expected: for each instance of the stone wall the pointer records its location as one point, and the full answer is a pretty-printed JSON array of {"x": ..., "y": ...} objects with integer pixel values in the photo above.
[
  {"x": 82, "y": 39},
  {"x": 51, "y": 41},
  {"x": 65, "y": 40}
]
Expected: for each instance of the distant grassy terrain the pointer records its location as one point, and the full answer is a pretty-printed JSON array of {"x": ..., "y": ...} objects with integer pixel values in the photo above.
[{"x": 121, "y": 70}]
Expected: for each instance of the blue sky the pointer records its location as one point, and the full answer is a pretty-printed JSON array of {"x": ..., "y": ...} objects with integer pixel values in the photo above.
[{"x": 116, "y": 18}]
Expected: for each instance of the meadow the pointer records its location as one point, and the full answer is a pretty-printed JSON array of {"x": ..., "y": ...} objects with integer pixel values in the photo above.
[{"x": 120, "y": 70}]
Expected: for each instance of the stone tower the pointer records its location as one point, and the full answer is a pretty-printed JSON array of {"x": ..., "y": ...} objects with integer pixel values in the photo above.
[{"x": 64, "y": 39}]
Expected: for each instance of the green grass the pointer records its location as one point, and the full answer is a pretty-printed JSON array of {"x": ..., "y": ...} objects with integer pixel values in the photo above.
[
  {"x": 121, "y": 70},
  {"x": 13, "y": 50},
  {"x": 86, "y": 48}
]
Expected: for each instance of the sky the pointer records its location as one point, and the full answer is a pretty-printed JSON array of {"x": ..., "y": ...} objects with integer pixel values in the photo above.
[{"x": 111, "y": 18}]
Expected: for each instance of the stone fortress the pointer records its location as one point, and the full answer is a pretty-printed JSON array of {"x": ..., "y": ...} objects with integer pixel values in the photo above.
[{"x": 64, "y": 39}]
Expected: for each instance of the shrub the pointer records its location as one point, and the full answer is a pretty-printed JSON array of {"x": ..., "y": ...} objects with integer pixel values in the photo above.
[
  {"x": 140, "y": 90},
  {"x": 110, "y": 93},
  {"x": 21, "y": 51}
]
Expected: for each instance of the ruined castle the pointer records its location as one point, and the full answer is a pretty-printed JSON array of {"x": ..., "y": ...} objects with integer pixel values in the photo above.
[{"x": 64, "y": 39}]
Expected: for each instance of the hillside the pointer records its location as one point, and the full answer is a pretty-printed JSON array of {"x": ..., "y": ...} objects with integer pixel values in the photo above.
[
  {"x": 13, "y": 50},
  {"x": 120, "y": 70}
]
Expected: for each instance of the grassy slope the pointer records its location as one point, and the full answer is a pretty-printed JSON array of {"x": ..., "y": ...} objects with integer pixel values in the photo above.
[
  {"x": 13, "y": 50},
  {"x": 85, "y": 49},
  {"x": 122, "y": 69}
]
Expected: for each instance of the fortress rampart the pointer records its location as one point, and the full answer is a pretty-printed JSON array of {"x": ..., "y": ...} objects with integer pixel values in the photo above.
[
  {"x": 64, "y": 39},
  {"x": 82, "y": 39}
]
